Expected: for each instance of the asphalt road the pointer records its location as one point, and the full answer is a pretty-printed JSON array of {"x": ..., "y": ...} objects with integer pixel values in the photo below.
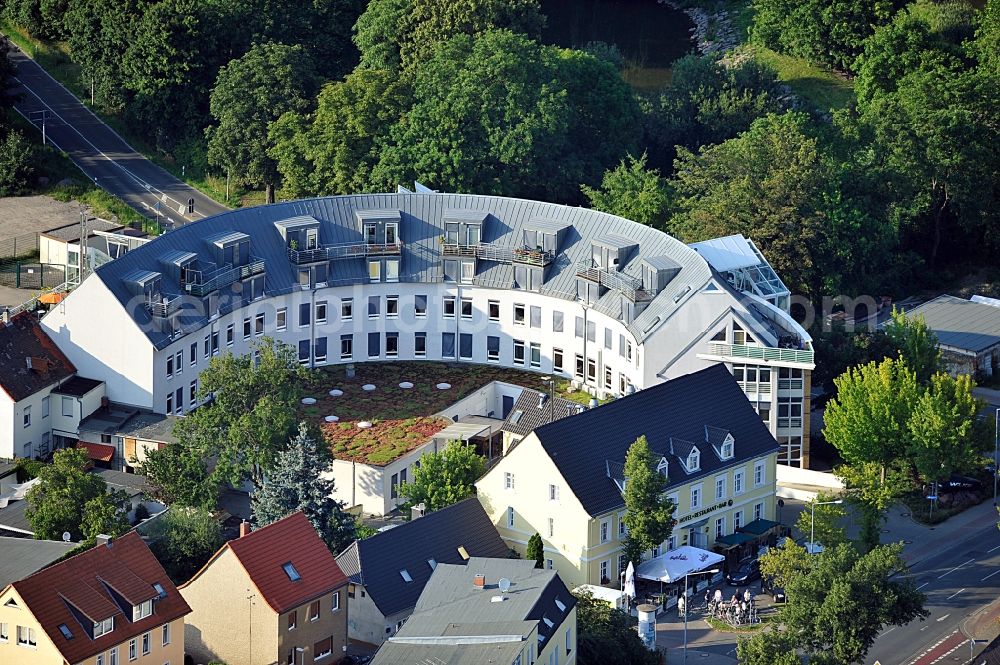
[
  {"x": 100, "y": 152},
  {"x": 958, "y": 582}
]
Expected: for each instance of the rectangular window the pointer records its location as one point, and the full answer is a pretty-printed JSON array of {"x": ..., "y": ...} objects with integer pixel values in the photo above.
[
  {"x": 314, "y": 610},
  {"x": 557, "y": 360},
  {"x": 142, "y": 610},
  {"x": 508, "y": 480},
  {"x": 280, "y": 321},
  {"x": 591, "y": 370},
  {"x": 208, "y": 346},
  {"x": 170, "y": 404},
  {"x": 737, "y": 520},
  {"x": 303, "y": 319},
  {"x": 628, "y": 351},
  {"x": 170, "y": 366},
  {"x": 536, "y": 354},
  {"x": 392, "y": 345},
  {"x": 578, "y": 327},
  {"x": 293, "y": 619},
  {"x": 420, "y": 345},
  {"x": 720, "y": 487},
  {"x": 420, "y": 305},
  {"x": 608, "y": 338},
  {"x": 720, "y": 527},
  {"x": 305, "y": 278},
  {"x": 493, "y": 348},
  {"x": 536, "y": 317},
  {"x": 392, "y": 270},
  {"x": 303, "y": 351},
  {"x": 346, "y": 347},
  {"x": 605, "y": 531},
  {"x": 258, "y": 324},
  {"x": 608, "y": 378},
  {"x": 552, "y": 527},
  {"x": 319, "y": 350},
  {"x": 494, "y": 310},
  {"x": 230, "y": 334},
  {"x": 347, "y": 309},
  {"x": 145, "y": 644},
  {"x": 194, "y": 354},
  {"x": 165, "y": 634},
  {"x": 518, "y": 352},
  {"x": 738, "y": 482},
  {"x": 578, "y": 367},
  {"x": 374, "y": 345},
  {"x": 465, "y": 346},
  {"x": 604, "y": 577},
  {"x": 374, "y": 306},
  {"x": 321, "y": 311},
  {"x": 758, "y": 511},
  {"x": 468, "y": 271},
  {"x": 518, "y": 314},
  {"x": 510, "y": 516},
  {"x": 553, "y": 492},
  {"x": 374, "y": 271},
  {"x": 557, "y": 321},
  {"x": 466, "y": 308},
  {"x": 449, "y": 307},
  {"x": 447, "y": 345},
  {"x": 215, "y": 343},
  {"x": 322, "y": 649},
  {"x": 758, "y": 474},
  {"x": 179, "y": 397},
  {"x": 696, "y": 497},
  {"x": 591, "y": 331},
  {"x": 335, "y": 601},
  {"x": 392, "y": 307},
  {"x": 27, "y": 416},
  {"x": 132, "y": 649},
  {"x": 247, "y": 329}
]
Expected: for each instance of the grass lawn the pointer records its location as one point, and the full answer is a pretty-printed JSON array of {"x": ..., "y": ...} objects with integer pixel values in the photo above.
[
  {"x": 402, "y": 419},
  {"x": 722, "y": 626},
  {"x": 823, "y": 89}
]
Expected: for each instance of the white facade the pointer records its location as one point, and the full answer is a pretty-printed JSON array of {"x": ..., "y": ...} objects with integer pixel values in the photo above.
[{"x": 27, "y": 424}]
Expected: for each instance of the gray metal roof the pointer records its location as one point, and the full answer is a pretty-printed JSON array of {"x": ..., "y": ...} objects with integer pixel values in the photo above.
[
  {"x": 422, "y": 224},
  {"x": 150, "y": 427},
  {"x": 20, "y": 557},
  {"x": 466, "y": 625},
  {"x": 962, "y": 324}
]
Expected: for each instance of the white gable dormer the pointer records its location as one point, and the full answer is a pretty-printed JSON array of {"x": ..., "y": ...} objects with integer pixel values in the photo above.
[
  {"x": 693, "y": 460},
  {"x": 728, "y": 446},
  {"x": 663, "y": 467}
]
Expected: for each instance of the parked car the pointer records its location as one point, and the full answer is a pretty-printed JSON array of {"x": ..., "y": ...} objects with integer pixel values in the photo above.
[
  {"x": 776, "y": 592},
  {"x": 959, "y": 483},
  {"x": 745, "y": 573}
]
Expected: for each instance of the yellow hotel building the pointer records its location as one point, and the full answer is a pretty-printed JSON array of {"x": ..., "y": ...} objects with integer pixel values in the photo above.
[{"x": 565, "y": 481}]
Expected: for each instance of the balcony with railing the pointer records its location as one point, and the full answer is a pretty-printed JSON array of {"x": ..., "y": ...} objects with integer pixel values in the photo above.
[
  {"x": 163, "y": 305},
  {"x": 751, "y": 352},
  {"x": 350, "y": 250},
  {"x": 502, "y": 254},
  {"x": 201, "y": 283},
  {"x": 628, "y": 286}
]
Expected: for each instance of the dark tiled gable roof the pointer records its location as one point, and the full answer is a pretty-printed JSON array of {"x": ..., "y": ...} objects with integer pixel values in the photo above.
[
  {"x": 531, "y": 416},
  {"x": 21, "y": 339},
  {"x": 85, "y": 582},
  {"x": 264, "y": 552},
  {"x": 376, "y": 562},
  {"x": 583, "y": 446}
]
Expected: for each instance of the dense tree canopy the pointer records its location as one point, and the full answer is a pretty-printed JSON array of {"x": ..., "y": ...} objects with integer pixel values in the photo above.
[
  {"x": 632, "y": 191},
  {"x": 649, "y": 515},
  {"x": 183, "y": 539},
  {"x": 178, "y": 475},
  {"x": 607, "y": 636}
]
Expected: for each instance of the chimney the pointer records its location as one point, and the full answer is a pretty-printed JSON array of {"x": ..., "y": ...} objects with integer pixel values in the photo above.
[
  {"x": 244, "y": 528},
  {"x": 479, "y": 581},
  {"x": 103, "y": 539}
]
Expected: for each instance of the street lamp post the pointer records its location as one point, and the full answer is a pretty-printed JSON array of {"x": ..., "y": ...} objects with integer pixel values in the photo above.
[
  {"x": 686, "y": 575},
  {"x": 812, "y": 525}
]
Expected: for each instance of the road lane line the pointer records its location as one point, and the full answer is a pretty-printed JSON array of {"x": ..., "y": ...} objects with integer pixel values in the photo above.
[
  {"x": 957, "y": 567},
  {"x": 943, "y": 617},
  {"x": 955, "y": 594},
  {"x": 991, "y": 574}
]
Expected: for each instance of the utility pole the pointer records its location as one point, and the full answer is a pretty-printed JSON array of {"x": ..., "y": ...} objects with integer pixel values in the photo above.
[{"x": 43, "y": 115}]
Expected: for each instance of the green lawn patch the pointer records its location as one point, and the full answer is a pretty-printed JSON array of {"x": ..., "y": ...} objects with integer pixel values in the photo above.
[
  {"x": 824, "y": 89},
  {"x": 722, "y": 626}
]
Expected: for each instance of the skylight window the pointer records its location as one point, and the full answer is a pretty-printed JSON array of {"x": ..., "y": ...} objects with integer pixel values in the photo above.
[
  {"x": 161, "y": 592},
  {"x": 462, "y": 552},
  {"x": 405, "y": 574},
  {"x": 64, "y": 629},
  {"x": 560, "y": 605},
  {"x": 293, "y": 574},
  {"x": 548, "y": 621},
  {"x": 432, "y": 563}
]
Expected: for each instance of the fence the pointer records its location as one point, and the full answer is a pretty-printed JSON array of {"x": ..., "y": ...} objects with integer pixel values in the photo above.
[
  {"x": 21, "y": 275},
  {"x": 18, "y": 246}
]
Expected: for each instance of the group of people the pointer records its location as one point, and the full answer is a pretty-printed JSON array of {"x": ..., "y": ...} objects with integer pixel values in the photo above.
[{"x": 740, "y": 606}]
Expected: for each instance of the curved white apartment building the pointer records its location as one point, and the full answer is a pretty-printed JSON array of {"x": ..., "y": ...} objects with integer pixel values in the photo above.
[{"x": 613, "y": 304}]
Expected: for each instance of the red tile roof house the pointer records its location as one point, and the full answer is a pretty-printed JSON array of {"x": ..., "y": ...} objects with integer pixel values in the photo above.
[
  {"x": 110, "y": 605},
  {"x": 275, "y": 595}
]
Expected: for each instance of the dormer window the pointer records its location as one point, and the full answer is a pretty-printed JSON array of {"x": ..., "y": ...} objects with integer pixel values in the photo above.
[
  {"x": 693, "y": 460},
  {"x": 727, "y": 448},
  {"x": 312, "y": 238},
  {"x": 391, "y": 234},
  {"x": 142, "y": 610},
  {"x": 103, "y": 627},
  {"x": 663, "y": 467}
]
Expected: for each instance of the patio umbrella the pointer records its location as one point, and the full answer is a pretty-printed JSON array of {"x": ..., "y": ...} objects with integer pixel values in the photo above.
[
  {"x": 630, "y": 580},
  {"x": 51, "y": 298}
]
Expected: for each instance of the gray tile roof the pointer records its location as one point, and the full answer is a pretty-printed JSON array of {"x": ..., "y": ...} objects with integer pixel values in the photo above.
[
  {"x": 452, "y": 610},
  {"x": 422, "y": 225},
  {"x": 962, "y": 324},
  {"x": 591, "y": 446},
  {"x": 526, "y": 414},
  {"x": 151, "y": 427},
  {"x": 20, "y": 557},
  {"x": 376, "y": 562}
]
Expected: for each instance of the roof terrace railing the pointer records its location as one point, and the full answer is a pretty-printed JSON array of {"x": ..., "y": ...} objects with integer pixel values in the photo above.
[
  {"x": 224, "y": 276},
  {"x": 751, "y": 352},
  {"x": 502, "y": 254},
  {"x": 628, "y": 286},
  {"x": 163, "y": 304},
  {"x": 351, "y": 250}
]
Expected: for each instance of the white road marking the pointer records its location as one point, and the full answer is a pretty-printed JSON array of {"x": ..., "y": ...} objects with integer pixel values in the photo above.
[
  {"x": 956, "y": 593},
  {"x": 956, "y": 568},
  {"x": 943, "y": 617}
]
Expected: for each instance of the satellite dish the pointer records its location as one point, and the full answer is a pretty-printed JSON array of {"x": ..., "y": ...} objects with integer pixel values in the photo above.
[
  {"x": 503, "y": 585},
  {"x": 66, "y": 536}
]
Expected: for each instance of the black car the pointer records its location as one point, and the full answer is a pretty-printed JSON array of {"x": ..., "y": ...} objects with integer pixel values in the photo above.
[
  {"x": 957, "y": 483},
  {"x": 745, "y": 573},
  {"x": 776, "y": 592}
]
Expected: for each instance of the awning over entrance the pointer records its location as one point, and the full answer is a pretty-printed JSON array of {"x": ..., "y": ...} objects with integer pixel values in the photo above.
[
  {"x": 98, "y": 452},
  {"x": 759, "y": 527},
  {"x": 675, "y": 564},
  {"x": 733, "y": 540}
]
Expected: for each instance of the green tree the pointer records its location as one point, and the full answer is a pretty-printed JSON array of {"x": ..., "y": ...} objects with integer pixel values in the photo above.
[
  {"x": 250, "y": 93},
  {"x": 334, "y": 150},
  {"x": 767, "y": 647},
  {"x": 536, "y": 550},
  {"x": 649, "y": 515},
  {"x": 634, "y": 192},
  {"x": 607, "y": 636},
  {"x": 248, "y": 413},
  {"x": 500, "y": 114},
  {"x": 183, "y": 539},
  {"x": 827, "y": 525},
  {"x": 445, "y": 477},
  {"x": 68, "y": 498},
  {"x": 944, "y": 438},
  {"x": 786, "y": 562},
  {"x": 845, "y": 600},
  {"x": 16, "y": 162},
  {"x": 376, "y": 33},
  {"x": 178, "y": 475},
  {"x": 916, "y": 343},
  {"x": 775, "y": 184},
  {"x": 296, "y": 482},
  {"x": 873, "y": 488}
]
